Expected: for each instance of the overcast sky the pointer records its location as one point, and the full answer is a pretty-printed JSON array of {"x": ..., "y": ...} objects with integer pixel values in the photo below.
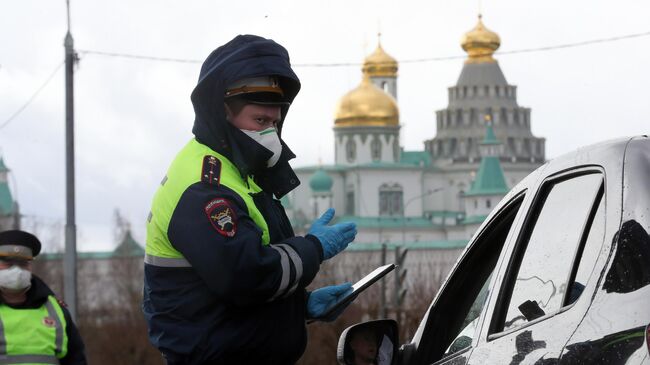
[{"x": 132, "y": 116}]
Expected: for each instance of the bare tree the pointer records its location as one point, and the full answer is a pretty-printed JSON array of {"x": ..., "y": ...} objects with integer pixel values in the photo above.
[{"x": 111, "y": 321}]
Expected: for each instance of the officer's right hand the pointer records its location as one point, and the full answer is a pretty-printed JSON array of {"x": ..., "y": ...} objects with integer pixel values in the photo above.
[{"x": 334, "y": 239}]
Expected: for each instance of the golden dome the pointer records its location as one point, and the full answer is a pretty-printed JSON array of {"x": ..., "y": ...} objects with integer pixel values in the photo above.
[
  {"x": 366, "y": 106},
  {"x": 480, "y": 43},
  {"x": 380, "y": 64}
]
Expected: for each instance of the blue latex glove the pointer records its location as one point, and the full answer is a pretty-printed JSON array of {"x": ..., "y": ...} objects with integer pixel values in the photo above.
[
  {"x": 334, "y": 239},
  {"x": 321, "y": 299}
]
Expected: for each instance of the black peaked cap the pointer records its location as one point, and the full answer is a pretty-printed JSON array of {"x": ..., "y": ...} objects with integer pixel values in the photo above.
[{"x": 20, "y": 238}]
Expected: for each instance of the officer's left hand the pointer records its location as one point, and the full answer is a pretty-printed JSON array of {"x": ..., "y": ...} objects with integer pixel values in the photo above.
[{"x": 321, "y": 299}]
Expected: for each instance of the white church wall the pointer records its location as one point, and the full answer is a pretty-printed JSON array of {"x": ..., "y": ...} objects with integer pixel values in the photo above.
[
  {"x": 388, "y": 142},
  {"x": 301, "y": 195},
  {"x": 397, "y": 235},
  {"x": 338, "y": 189},
  {"x": 462, "y": 232},
  {"x": 449, "y": 198},
  {"x": 362, "y": 147},
  {"x": 481, "y": 205},
  {"x": 372, "y": 179},
  {"x": 434, "y": 201}
]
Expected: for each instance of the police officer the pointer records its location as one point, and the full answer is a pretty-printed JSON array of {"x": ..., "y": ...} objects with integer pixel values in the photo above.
[
  {"x": 225, "y": 276},
  {"x": 35, "y": 328}
]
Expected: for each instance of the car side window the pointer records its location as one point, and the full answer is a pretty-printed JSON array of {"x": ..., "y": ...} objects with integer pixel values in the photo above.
[
  {"x": 469, "y": 326},
  {"x": 552, "y": 243},
  {"x": 589, "y": 253},
  {"x": 453, "y": 322}
]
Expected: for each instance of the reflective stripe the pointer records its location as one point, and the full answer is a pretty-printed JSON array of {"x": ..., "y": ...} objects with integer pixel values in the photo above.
[
  {"x": 286, "y": 272},
  {"x": 166, "y": 261},
  {"x": 297, "y": 264},
  {"x": 28, "y": 359},
  {"x": 59, "y": 326},
  {"x": 3, "y": 340}
]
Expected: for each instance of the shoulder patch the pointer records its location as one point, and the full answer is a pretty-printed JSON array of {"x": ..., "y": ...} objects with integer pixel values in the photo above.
[
  {"x": 222, "y": 217},
  {"x": 211, "y": 170}
]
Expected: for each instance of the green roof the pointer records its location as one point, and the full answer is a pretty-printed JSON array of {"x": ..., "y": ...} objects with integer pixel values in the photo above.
[
  {"x": 6, "y": 200},
  {"x": 474, "y": 219},
  {"x": 327, "y": 168},
  {"x": 390, "y": 166},
  {"x": 421, "y": 245},
  {"x": 129, "y": 247},
  {"x": 7, "y": 205},
  {"x": 412, "y": 163},
  {"x": 489, "y": 178},
  {"x": 388, "y": 222},
  {"x": 490, "y": 137},
  {"x": 444, "y": 213},
  {"x": 286, "y": 202},
  {"x": 416, "y": 158},
  {"x": 320, "y": 181},
  {"x": 104, "y": 255}
]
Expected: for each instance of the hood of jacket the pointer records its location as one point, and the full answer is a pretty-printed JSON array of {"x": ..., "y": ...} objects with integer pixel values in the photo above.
[{"x": 243, "y": 57}]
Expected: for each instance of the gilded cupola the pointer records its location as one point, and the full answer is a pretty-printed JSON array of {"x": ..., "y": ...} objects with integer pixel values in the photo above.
[
  {"x": 480, "y": 43},
  {"x": 380, "y": 64},
  {"x": 366, "y": 105}
]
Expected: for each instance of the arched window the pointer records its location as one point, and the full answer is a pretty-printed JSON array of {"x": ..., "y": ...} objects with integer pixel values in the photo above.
[
  {"x": 351, "y": 150},
  {"x": 461, "y": 195},
  {"x": 391, "y": 200},
  {"x": 349, "y": 202},
  {"x": 384, "y": 86},
  {"x": 375, "y": 149}
]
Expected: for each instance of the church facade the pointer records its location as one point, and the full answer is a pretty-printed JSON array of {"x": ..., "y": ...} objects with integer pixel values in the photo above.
[{"x": 436, "y": 197}]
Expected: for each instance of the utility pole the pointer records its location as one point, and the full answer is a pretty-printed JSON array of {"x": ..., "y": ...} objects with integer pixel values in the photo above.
[
  {"x": 70, "y": 258},
  {"x": 400, "y": 277},
  {"x": 383, "y": 311}
]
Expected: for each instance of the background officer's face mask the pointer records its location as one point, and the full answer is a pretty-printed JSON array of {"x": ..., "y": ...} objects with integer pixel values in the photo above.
[
  {"x": 15, "y": 278},
  {"x": 270, "y": 140}
]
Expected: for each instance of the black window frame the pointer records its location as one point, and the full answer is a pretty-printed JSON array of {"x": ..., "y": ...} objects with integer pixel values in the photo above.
[{"x": 496, "y": 325}]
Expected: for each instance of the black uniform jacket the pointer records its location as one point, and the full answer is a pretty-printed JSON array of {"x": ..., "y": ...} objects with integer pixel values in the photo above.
[
  {"x": 240, "y": 302},
  {"x": 36, "y": 298}
]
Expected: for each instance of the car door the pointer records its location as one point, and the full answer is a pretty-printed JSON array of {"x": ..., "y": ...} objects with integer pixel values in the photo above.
[
  {"x": 533, "y": 312},
  {"x": 448, "y": 331}
]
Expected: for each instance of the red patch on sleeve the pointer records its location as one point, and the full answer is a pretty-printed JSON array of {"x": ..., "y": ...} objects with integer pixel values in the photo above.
[{"x": 222, "y": 216}]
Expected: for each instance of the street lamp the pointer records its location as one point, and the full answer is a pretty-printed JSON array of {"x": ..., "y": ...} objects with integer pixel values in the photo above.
[
  {"x": 400, "y": 255},
  {"x": 426, "y": 193}
]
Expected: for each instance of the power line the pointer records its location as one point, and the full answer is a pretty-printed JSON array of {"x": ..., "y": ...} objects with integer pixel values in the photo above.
[
  {"x": 31, "y": 99},
  {"x": 138, "y": 57},
  {"x": 338, "y": 64},
  {"x": 416, "y": 60}
]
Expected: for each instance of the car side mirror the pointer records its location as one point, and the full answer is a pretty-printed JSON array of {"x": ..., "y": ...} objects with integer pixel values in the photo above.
[{"x": 373, "y": 342}]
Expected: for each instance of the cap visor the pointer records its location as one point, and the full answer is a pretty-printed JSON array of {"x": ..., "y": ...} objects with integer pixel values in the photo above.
[{"x": 267, "y": 98}]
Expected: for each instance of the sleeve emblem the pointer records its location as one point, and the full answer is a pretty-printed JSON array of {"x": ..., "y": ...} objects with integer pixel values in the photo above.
[{"x": 222, "y": 217}]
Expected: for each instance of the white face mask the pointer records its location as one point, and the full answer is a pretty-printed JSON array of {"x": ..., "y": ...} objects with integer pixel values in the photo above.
[
  {"x": 15, "y": 278},
  {"x": 270, "y": 140}
]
